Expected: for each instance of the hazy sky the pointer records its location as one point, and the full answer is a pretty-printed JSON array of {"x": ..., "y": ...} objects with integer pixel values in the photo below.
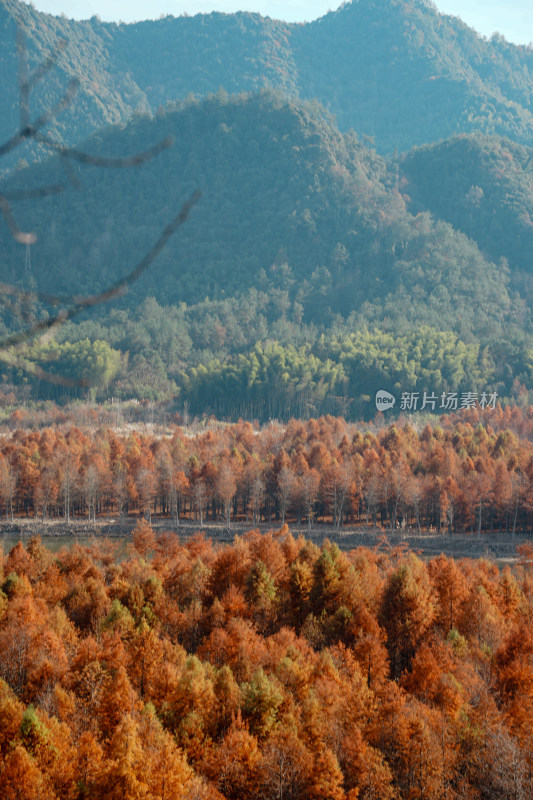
[{"x": 512, "y": 18}]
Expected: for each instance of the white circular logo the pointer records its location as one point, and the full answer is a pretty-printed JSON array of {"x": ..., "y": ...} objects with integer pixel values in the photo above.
[{"x": 384, "y": 400}]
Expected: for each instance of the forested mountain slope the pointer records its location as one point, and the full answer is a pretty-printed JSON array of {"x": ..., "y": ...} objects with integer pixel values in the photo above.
[
  {"x": 406, "y": 74},
  {"x": 314, "y": 270},
  {"x": 483, "y": 186},
  {"x": 80, "y": 52},
  {"x": 400, "y": 72},
  {"x": 288, "y": 203},
  {"x": 305, "y": 279}
]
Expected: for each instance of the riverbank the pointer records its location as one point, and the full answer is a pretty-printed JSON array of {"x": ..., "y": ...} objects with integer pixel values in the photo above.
[{"x": 494, "y": 546}]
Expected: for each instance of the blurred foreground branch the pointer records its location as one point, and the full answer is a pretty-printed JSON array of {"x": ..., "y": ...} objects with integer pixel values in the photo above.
[{"x": 13, "y": 345}]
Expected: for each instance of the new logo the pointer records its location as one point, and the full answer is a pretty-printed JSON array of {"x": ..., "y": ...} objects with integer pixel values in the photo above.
[{"x": 384, "y": 400}]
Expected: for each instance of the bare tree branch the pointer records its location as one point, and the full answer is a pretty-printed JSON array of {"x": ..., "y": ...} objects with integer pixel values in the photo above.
[
  {"x": 18, "y": 361},
  {"x": 23, "y": 294},
  {"x": 26, "y": 84},
  {"x": 38, "y": 191},
  {"x": 18, "y": 235},
  {"x": 116, "y": 290},
  {"x": 32, "y": 130},
  {"x": 102, "y": 161},
  {"x": 70, "y": 172}
]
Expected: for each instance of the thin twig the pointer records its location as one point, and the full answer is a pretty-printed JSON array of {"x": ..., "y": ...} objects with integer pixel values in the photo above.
[
  {"x": 18, "y": 361},
  {"x": 30, "y": 131},
  {"x": 31, "y": 194},
  {"x": 18, "y": 235},
  {"x": 27, "y": 84},
  {"x": 24, "y": 294},
  {"x": 103, "y": 161},
  {"x": 116, "y": 290},
  {"x": 70, "y": 172},
  {"x": 33, "y": 130},
  {"x": 39, "y": 73}
]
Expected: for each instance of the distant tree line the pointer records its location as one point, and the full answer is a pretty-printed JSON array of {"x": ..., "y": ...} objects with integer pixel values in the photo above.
[{"x": 469, "y": 474}]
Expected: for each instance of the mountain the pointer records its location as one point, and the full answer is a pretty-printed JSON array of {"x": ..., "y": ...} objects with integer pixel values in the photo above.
[
  {"x": 398, "y": 72},
  {"x": 319, "y": 265},
  {"x": 482, "y": 186},
  {"x": 80, "y": 52},
  {"x": 288, "y": 203},
  {"x": 311, "y": 273},
  {"x": 405, "y": 74}
]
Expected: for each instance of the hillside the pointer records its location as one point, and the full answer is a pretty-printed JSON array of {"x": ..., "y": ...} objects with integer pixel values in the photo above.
[
  {"x": 482, "y": 186},
  {"x": 288, "y": 203},
  {"x": 401, "y": 73},
  {"x": 315, "y": 270},
  {"x": 405, "y": 74},
  {"x": 102, "y": 97},
  {"x": 302, "y": 281}
]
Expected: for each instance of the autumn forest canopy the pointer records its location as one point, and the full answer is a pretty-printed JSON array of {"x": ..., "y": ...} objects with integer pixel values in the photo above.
[
  {"x": 472, "y": 473},
  {"x": 265, "y": 668},
  {"x": 224, "y": 238}
]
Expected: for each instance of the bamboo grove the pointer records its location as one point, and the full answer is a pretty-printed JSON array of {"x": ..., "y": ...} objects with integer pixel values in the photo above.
[{"x": 470, "y": 473}]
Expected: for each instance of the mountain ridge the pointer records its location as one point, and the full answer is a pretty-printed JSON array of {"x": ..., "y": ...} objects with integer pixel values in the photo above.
[
  {"x": 315, "y": 269},
  {"x": 399, "y": 72},
  {"x": 281, "y": 186}
]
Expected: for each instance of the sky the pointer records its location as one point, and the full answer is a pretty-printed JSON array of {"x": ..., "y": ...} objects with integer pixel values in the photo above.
[{"x": 511, "y": 18}]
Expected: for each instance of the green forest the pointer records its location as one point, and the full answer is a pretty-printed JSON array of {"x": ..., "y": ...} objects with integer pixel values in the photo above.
[
  {"x": 311, "y": 273},
  {"x": 260, "y": 254},
  {"x": 398, "y": 71}
]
